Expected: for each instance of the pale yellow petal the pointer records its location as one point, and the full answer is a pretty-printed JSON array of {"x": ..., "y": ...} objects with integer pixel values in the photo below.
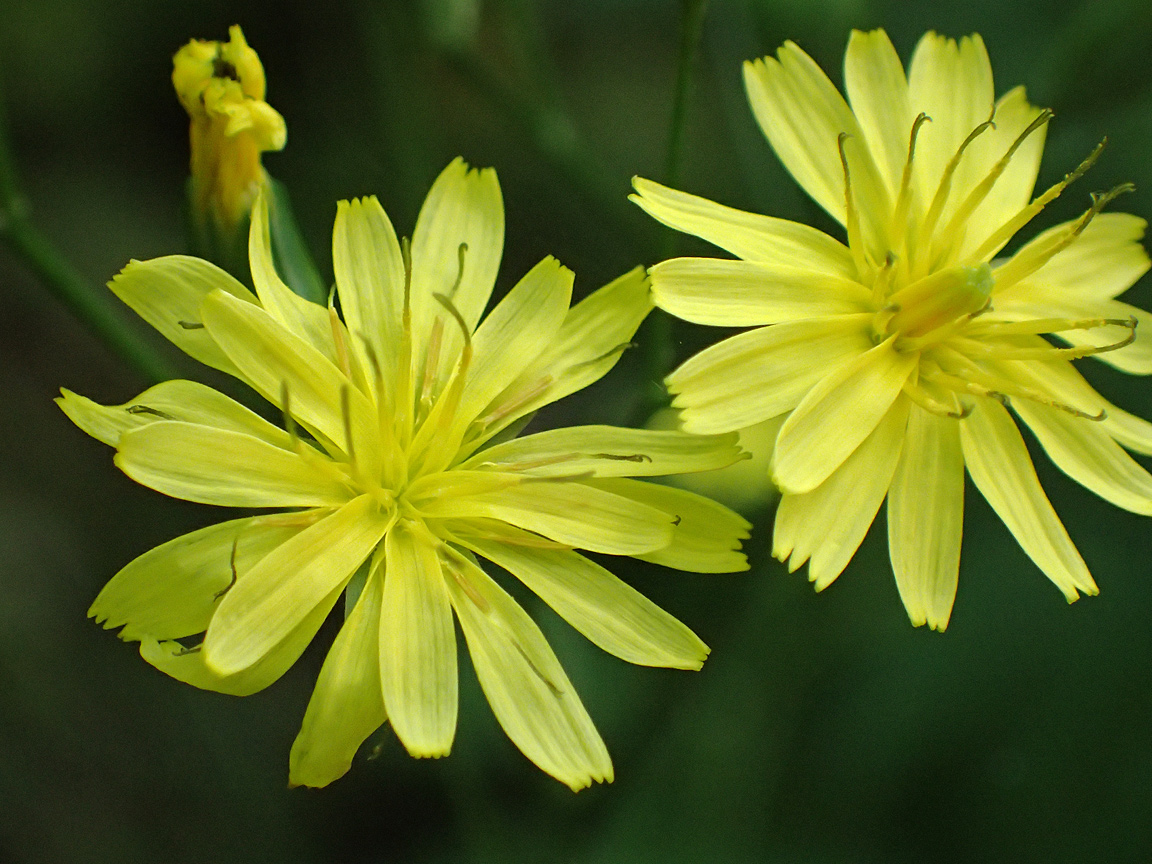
[
  {"x": 878, "y": 92},
  {"x": 1031, "y": 302},
  {"x": 191, "y": 667},
  {"x": 837, "y": 415},
  {"x": 1013, "y": 189},
  {"x": 230, "y": 469},
  {"x": 167, "y": 292},
  {"x": 369, "y": 279},
  {"x": 1061, "y": 380},
  {"x": 610, "y": 613},
  {"x": 188, "y": 401},
  {"x": 1103, "y": 262},
  {"x": 750, "y": 236},
  {"x": 280, "y": 591},
  {"x": 1131, "y": 431},
  {"x": 745, "y": 293},
  {"x": 516, "y": 333},
  {"x": 171, "y": 591},
  {"x": 595, "y": 333},
  {"x": 827, "y": 525},
  {"x": 418, "y": 645},
  {"x": 571, "y": 513},
  {"x": 305, "y": 320},
  {"x": 273, "y": 360},
  {"x": 608, "y": 451},
  {"x": 1002, "y": 470},
  {"x": 926, "y": 518},
  {"x": 530, "y": 695},
  {"x": 346, "y": 705},
  {"x": 803, "y": 116},
  {"x": 744, "y": 485},
  {"x": 952, "y": 84},
  {"x": 762, "y": 373},
  {"x": 463, "y": 206},
  {"x": 706, "y": 536},
  {"x": 1085, "y": 451}
]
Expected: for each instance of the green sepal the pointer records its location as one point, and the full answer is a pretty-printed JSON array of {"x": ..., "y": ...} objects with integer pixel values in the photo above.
[{"x": 293, "y": 260}]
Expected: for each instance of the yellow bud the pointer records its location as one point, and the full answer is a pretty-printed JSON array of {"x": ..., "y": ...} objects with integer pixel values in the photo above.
[
  {"x": 939, "y": 299},
  {"x": 221, "y": 86}
]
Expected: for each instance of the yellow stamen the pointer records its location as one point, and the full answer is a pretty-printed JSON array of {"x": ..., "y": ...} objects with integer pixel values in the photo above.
[
  {"x": 1028, "y": 260},
  {"x": 954, "y": 230},
  {"x": 1009, "y": 229},
  {"x": 899, "y": 227},
  {"x": 441, "y": 418},
  {"x": 852, "y": 218},
  {"x": 928, "y": 228},
  {"x": 404, "y": 406},
  {"x": 982, "y": 383}
]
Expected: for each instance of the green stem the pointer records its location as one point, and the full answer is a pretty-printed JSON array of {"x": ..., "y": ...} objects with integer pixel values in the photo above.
[
  {"x": 691, "y": 27},
  {"x": 659, "y": 335},
  {"x": 93, "y": 308}
]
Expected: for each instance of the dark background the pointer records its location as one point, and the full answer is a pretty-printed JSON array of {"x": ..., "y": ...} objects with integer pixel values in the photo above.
[{"x": 823, "y": 729}]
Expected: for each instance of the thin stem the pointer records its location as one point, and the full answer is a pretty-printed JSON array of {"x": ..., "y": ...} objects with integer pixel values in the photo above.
[
  {"x": 658, "y": 338},
  {"x": 691, "y": 27},
  {"x": 93, "y": 308}
]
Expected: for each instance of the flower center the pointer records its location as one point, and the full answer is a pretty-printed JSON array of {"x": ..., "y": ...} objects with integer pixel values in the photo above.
[{"x": 930, "y": 308}]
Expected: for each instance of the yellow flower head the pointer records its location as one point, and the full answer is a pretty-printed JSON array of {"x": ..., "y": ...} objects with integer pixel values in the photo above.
[
  {"x": 398, "y": 459},
  {"x": 897, "y": 357},
  {"x": 221, "y": 86}
]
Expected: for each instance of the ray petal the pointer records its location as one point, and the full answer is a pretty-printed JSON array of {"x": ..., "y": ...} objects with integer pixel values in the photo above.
[
  {"x": 760, "y": 374},
  {"x": 926, "y": 518},
  {"x": 418, "y": 645},
  {"x": 284, "y": 588},
  {"x": 878, "y": 92},
  {"x": 609, "y": 451},
  {"x": 369, "y": 278},
  {"x": 706, "y": 536},
  {"x": 998, "y": 461},
  {"x": 827, "y": 525},
  {"x": 188, "y": 401},
  {"x": 726, "y": 293},
  {"x": 230, "y": 469},
  {"x": 530, "y": 695},
  {"x": 167, "y": 292},
  {"x": 836, "y": 415},
  {"x": 346, "y": 705},
  {"x": 750, "y": 236},
  {"x": 192, "y": 667},
  {"x": 610, "y": 613},
  {"x": 803, "y": 116},
  {"x": 171, "y": 591},
  {"x": 1088, "y": 454},
  {"x": 464, "y": 206}
]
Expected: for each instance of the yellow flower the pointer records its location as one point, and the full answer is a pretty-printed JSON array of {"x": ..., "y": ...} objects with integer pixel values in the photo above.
[
  {"x": 399, "y": 453},
  {"x": 221, "y": 86},
  {"x": 897, "y": 356}
]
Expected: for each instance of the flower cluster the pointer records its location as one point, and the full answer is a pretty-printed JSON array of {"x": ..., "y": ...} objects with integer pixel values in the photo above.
[{"x": 878, "y": 369}]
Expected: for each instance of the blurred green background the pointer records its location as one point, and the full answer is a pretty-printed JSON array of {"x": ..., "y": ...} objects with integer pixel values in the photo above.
[{"x": 823, "y": 729}]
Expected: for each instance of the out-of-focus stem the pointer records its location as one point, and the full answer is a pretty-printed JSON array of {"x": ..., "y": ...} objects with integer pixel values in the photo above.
[{"x": 92, "y": 306}]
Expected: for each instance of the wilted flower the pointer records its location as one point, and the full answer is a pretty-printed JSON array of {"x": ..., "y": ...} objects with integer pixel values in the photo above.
[
  {"x": 399, "y": 460},
  {"x": 897, "y": 356},
  {"x": 221, "y": 86}
]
